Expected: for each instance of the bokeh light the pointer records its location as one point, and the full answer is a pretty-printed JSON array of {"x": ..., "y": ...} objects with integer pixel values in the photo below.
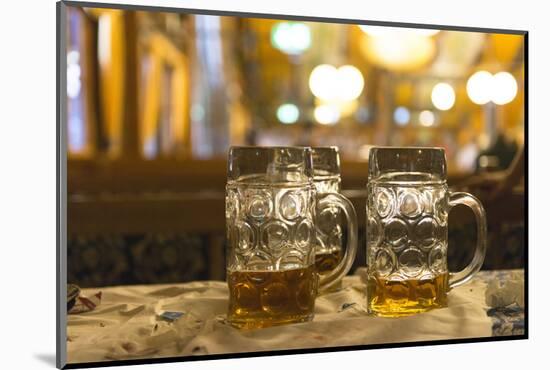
[
  {"x": 329, "y": 83},
  {"x": 443, "y": 96},
  {"x": 483, "y": 87},
  {"x": 398, "y": 49},
  {"x": 327, "y": 114},
  {"x": 426, "y": 118},
  {"x": 384, "y": 31},
  {"x": 288, "y": 113},
  {"x": 479, "y": 87},
  {"x": 504, "y": 88},
  {"x": 401, "y": 116},
  {"x": 351, "y": 82},
  {"x": 291, "y": 37},
  {"x": 426, "y": 32},
  {"x": 323, "y": 81}
]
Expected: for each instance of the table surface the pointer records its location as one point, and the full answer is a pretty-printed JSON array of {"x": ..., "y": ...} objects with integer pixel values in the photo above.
[
  {"x": 509, "y": 320},
  {"x": 127, "y": 325}
]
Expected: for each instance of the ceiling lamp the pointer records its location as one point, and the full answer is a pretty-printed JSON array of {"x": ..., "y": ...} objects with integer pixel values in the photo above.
[
  {"x": 426, "y": 118},
  {"x": 291, "y": 37},
  {"x": 401, "y": 116},
  {"x": 479, "y": 87},
  {"x": 483, "y": 87},
  {"x": 398, "y": 49},
  {"x": 384, "y": 30},
  {"x": 505, "y": 88},
  {"x": 329, "y": 83},
  {"x": 443, "y": 96},
  {"x": 288, "y": 113}
]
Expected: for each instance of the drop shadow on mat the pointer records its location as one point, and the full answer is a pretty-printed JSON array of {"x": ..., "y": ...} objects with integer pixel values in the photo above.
[{"x": 47, "y": 358}]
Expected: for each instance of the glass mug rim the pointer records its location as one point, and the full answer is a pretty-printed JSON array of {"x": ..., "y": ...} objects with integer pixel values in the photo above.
[
  {"x": 412, "y": 164},
  {"x": 268, "y": 147},
  {"x": 326, "y": 162},
  {"x": 331, "y": 148},
  {"x": 299, "y": 162}
]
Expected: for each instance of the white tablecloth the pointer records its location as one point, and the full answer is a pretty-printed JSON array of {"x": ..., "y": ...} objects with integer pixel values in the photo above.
[{"x": 126, "y": 326}]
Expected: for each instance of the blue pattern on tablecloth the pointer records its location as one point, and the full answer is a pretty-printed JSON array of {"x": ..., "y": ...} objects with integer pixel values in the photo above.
[{"x": 509, "y": 320}]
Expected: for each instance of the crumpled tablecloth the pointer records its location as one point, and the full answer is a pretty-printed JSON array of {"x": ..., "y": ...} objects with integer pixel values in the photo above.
[{"x": 126, "y": 325}]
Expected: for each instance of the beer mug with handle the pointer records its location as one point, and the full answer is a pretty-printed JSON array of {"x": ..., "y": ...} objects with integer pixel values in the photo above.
[
  {"x": 329, "y": 222},
  {"x": 407, "y": 211},
  {"x": 271, "y": 205}
]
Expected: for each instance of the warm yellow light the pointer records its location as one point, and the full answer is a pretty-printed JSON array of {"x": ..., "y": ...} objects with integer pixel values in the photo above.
[
  {"x": 326, "y": 114},
  {"x": 426, "y": 118},
  {"x": 427, "y": 32},
  {"x": 479, "y": 87},
  {"x": 398, "y": 49},
  {"x": 374, "y": 30},
  {"x": 383, "y": 31},
  {"x": 104, "y": 39},
  {"x": 351, "y": 83},
  {"x": 500, "y": 88},
  {"x": 364, "y": 151},
  {"x": 329, "y": 83},
  {"x": 443, "y": 96},
  {"x": 322, "y": 81},
  {"x": 504, "y": 88},
  {"x": 345, "y": 108}
]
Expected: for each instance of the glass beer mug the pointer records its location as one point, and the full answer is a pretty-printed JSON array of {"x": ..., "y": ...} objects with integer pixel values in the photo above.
[
  {"x": 407, "y": 212},
  {"x": 271, "y": 205},
  {"x": 328, "y": 223}
]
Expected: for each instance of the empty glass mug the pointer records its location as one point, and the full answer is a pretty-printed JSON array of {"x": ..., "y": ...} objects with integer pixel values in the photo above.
[
  {"x": 329, "y": 220},
  {"x": 407, "y": 211},
  {"x": 271, "y": 205}
]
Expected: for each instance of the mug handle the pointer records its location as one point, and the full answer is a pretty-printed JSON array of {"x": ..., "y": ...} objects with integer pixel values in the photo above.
[
  {"x": 338, "y": 200},
  {"x": 461, "y": 277}
]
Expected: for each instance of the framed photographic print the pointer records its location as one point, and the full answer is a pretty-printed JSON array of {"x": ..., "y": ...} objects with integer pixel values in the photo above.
[{"x": 238, "y": 184}]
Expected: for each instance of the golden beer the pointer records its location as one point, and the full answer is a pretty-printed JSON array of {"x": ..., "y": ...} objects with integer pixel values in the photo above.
[
  {"x": 393, "y": 298},
  {"x": 259, "y": 299}
]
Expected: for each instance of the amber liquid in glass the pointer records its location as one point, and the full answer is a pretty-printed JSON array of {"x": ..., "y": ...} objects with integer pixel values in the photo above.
[
  {"x": 259, "y": 299},
  {"x": 327, "y": 261},
  {"x": 393, "y": 298}
]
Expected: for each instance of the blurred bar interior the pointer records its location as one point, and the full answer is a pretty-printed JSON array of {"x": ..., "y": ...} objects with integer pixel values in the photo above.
[{"x": 156, "y": 99}]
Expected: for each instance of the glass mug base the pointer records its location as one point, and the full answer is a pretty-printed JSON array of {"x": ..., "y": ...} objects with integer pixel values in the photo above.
[
  {"x": 396, "y": 298},
  {"x": 264, "y": 298},
  {"x": 252, "y": 323}
]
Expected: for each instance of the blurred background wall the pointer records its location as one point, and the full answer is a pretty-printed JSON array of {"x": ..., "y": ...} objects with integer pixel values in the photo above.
[{"x": 156, "y": 99}]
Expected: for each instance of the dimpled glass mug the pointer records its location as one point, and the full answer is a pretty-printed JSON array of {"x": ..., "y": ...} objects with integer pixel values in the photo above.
[
  {"x": 271, "y": 205},
  {"x": 328, "y": 222},
  {"x": 407, "y": 211}
]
